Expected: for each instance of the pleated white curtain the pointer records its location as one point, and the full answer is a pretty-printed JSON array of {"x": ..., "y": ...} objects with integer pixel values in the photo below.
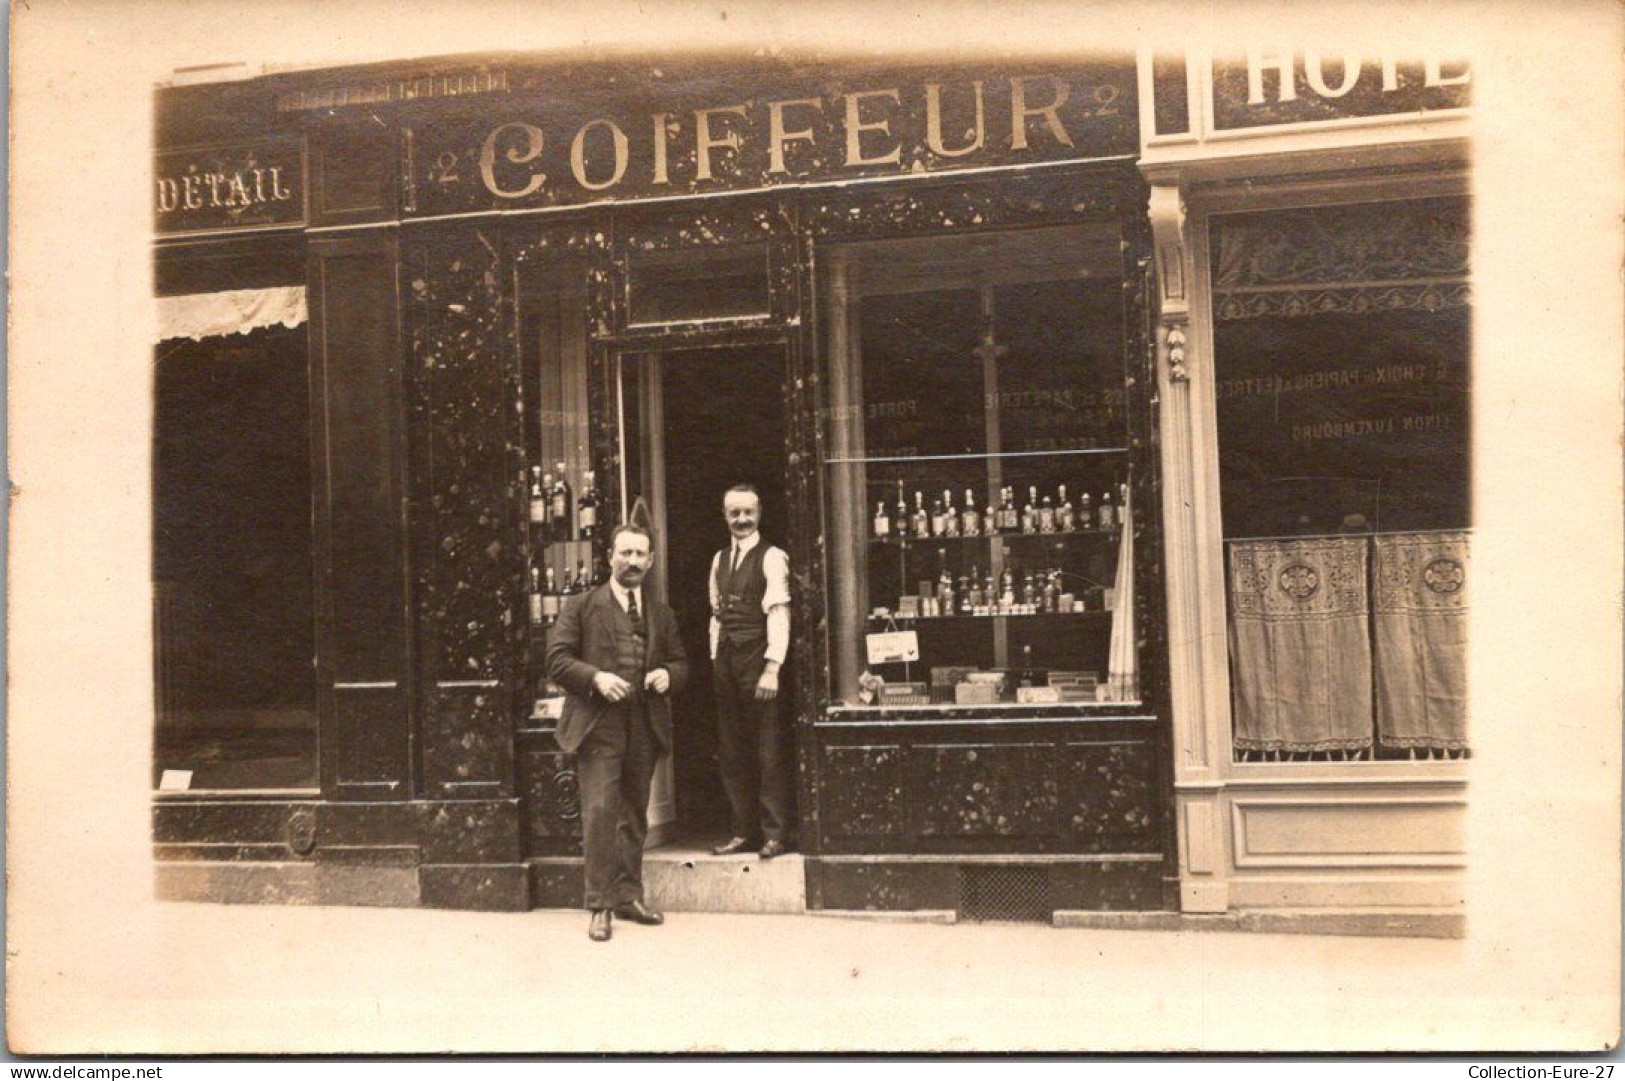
[{"x": 1122, "y": 667}]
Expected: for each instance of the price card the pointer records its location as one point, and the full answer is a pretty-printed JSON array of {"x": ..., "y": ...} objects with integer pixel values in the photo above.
[
  {"x": 890, "y": 647},
  {"x": 175, "y": 780}
]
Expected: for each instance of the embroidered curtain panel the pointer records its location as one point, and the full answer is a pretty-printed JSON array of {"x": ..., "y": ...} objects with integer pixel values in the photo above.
[
  {"x": 1301, "y": 644},
  {"x": 1420, "y": 613}
]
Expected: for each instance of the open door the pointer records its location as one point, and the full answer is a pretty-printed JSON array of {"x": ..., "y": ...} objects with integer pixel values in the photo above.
[{"x": 694, "y": 422}]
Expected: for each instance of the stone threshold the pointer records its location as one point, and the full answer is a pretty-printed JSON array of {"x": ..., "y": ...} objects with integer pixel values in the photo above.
[{"x": 1364, "y": 923}]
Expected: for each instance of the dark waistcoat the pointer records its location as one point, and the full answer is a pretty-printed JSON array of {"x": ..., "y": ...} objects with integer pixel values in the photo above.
[{"x": 739, "y": 596}]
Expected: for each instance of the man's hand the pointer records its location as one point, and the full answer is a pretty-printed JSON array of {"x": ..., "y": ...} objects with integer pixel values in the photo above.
[
  {"x": 611, "y": 686},
  {"x": 658, "y": 681},
  {"x": 767, "y": 688}
]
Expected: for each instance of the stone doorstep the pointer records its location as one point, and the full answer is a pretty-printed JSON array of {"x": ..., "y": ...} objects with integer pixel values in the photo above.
[
  {"x": 1365, "y": 923},
  {"x": 686, "y": 879}
]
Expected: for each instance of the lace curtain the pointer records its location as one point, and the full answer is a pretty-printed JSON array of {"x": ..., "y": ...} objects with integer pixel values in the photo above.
[
  {"x": 236, "y": 311},
  {"x": 1334, "y": 640}
]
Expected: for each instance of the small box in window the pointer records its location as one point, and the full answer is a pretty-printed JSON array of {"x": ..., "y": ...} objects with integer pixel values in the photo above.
[
  {"x": 976, "y": 694},
  {"x": 943, "y": 680},
  {"x": 1037, "y": 696},
  {"x": 908, "y": 607},
  {"x": 904, "y": 694}
]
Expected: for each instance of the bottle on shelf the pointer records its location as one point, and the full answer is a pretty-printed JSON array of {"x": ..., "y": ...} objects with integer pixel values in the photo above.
[
  {"x": 1065, "y": 520},
  {"x": 1007, "y": 583},
  {"x": 970, "y": 521},
  {"x": 534, "y": 597},
  {"x": 559, "y": 505},
  {"x": 538, "y": 497},
  {"x": 972, "y": 591},
  {"x": 945, "y": 586},
  {"x": 922, "y": 518},
  {"x": 1086, "y": 512},
  {"x": 990, "y": 518},
  {"x": 1028, "y": 674},
  {"x": 1108, "y": 513},
  {"x": 1029, "y": 513},
  {"x": 950, "y": 517},
  {"x": 582, "y": 582},
  {"x": 990, "y": 596},
  {"x": 1029, "y": 594},
  {"x": 587, "y": 508},
  {"x": 550, "y": 599},
  {"x": 882, "y": 521},
  {"x": 1046, "y": 516},
  {"x": 901, "y": 518},
  {"x": 1052, "y": 592}
]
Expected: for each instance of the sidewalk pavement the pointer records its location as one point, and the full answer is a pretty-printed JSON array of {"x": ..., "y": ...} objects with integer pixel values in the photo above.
[{"x": 199, "y": 978}]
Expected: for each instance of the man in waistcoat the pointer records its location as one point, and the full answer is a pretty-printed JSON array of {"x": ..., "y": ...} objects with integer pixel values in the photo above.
[
  {"x": 750, "y": 636},
  {"x": 619, "y": 658}
]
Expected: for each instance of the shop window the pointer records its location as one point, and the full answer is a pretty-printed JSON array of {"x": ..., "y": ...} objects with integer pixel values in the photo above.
[
  {"x": 978, "y": 472},
  {"x": 233, "y": 620},
  {"x": 1341, "y": 357}
]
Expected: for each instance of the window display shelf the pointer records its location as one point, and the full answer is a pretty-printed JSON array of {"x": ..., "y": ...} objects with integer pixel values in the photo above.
[
  {"x": 915, "y": 542},
  {"x": 916, "y": 621},
  {"x": 1069, "y": 452}
]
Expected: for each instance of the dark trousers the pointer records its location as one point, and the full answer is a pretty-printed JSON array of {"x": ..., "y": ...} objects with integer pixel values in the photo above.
[
  {"x": 751, "y": 745},
  {"x": 614, "y": 767}
]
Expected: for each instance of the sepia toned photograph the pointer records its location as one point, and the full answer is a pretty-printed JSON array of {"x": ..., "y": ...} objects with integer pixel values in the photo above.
[{"x": 991, "y": 517}]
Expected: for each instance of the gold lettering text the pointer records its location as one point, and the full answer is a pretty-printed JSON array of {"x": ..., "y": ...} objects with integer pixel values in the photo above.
[
  {"x": 704, "y": 143},
  {"x": 578, "y": 155},
  {"x": 777, "y": 136},
  {"x": 530, "y": 151},
  {"x": 856, "y": 126},
  {"x": 933, "y": 122},
  {"x": 1019, "y": 112}
]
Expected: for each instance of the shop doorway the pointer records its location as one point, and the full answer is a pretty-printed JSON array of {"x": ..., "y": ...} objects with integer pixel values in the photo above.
[{"x": 698, "y": 421}]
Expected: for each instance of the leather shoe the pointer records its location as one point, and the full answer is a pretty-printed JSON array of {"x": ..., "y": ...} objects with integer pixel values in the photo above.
[
  {"x": 733, "y": 847},
  {"x": 773, "y": 848},
  {"x": 598, "y": 929},
  {"x": 638, "y": 912}
]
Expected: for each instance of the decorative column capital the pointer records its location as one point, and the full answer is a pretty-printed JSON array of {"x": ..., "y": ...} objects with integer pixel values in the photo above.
[{"x": 1168, "y": 228}]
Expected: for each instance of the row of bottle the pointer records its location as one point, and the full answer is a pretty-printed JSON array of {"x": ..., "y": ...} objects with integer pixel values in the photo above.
[
  {"x": 1014, "y": 593},
  {"x": 546, "y": 594},
  {"x": 1046, "y": 515},
  {"x": 555, "y": 513}
]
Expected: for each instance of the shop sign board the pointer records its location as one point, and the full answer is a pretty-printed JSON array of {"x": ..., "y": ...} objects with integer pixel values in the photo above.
[
  {"x": 653, "y": 135},
  {"x": 1262, "y": 89},
  {"x": 1266, "y": 88},
  {"x": 232, "y": 186}
]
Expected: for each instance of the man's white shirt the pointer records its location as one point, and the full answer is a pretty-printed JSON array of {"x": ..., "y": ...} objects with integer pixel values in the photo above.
[{"x": 775, "y": 602}]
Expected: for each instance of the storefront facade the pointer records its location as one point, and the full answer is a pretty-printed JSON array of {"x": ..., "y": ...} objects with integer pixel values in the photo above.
[{"x": 955, "y": 324}]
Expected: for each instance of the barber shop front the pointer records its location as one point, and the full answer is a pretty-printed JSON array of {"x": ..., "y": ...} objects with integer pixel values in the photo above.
[{"x": 430, "y": 330}]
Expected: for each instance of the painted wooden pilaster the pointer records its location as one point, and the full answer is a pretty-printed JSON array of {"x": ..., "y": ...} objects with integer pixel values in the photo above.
[{"x": 1199, "y": 741}]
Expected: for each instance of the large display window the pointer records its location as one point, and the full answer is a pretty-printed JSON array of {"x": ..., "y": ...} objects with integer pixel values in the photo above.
[
  {"x": 234, "y": 612},
  {"x": 979, "y": 472},
  {"x": 1341, "y": 353}
]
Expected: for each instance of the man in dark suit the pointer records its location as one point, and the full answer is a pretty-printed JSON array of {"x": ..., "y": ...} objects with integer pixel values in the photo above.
[{"x": 619, "y": 659}]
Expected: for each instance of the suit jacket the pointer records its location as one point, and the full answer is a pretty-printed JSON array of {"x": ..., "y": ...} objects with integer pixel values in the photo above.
[{"x": 583, "y": 643}]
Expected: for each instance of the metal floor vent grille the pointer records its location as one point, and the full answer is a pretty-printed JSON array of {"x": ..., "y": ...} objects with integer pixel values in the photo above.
[{"x": 1005, "y": 893}]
